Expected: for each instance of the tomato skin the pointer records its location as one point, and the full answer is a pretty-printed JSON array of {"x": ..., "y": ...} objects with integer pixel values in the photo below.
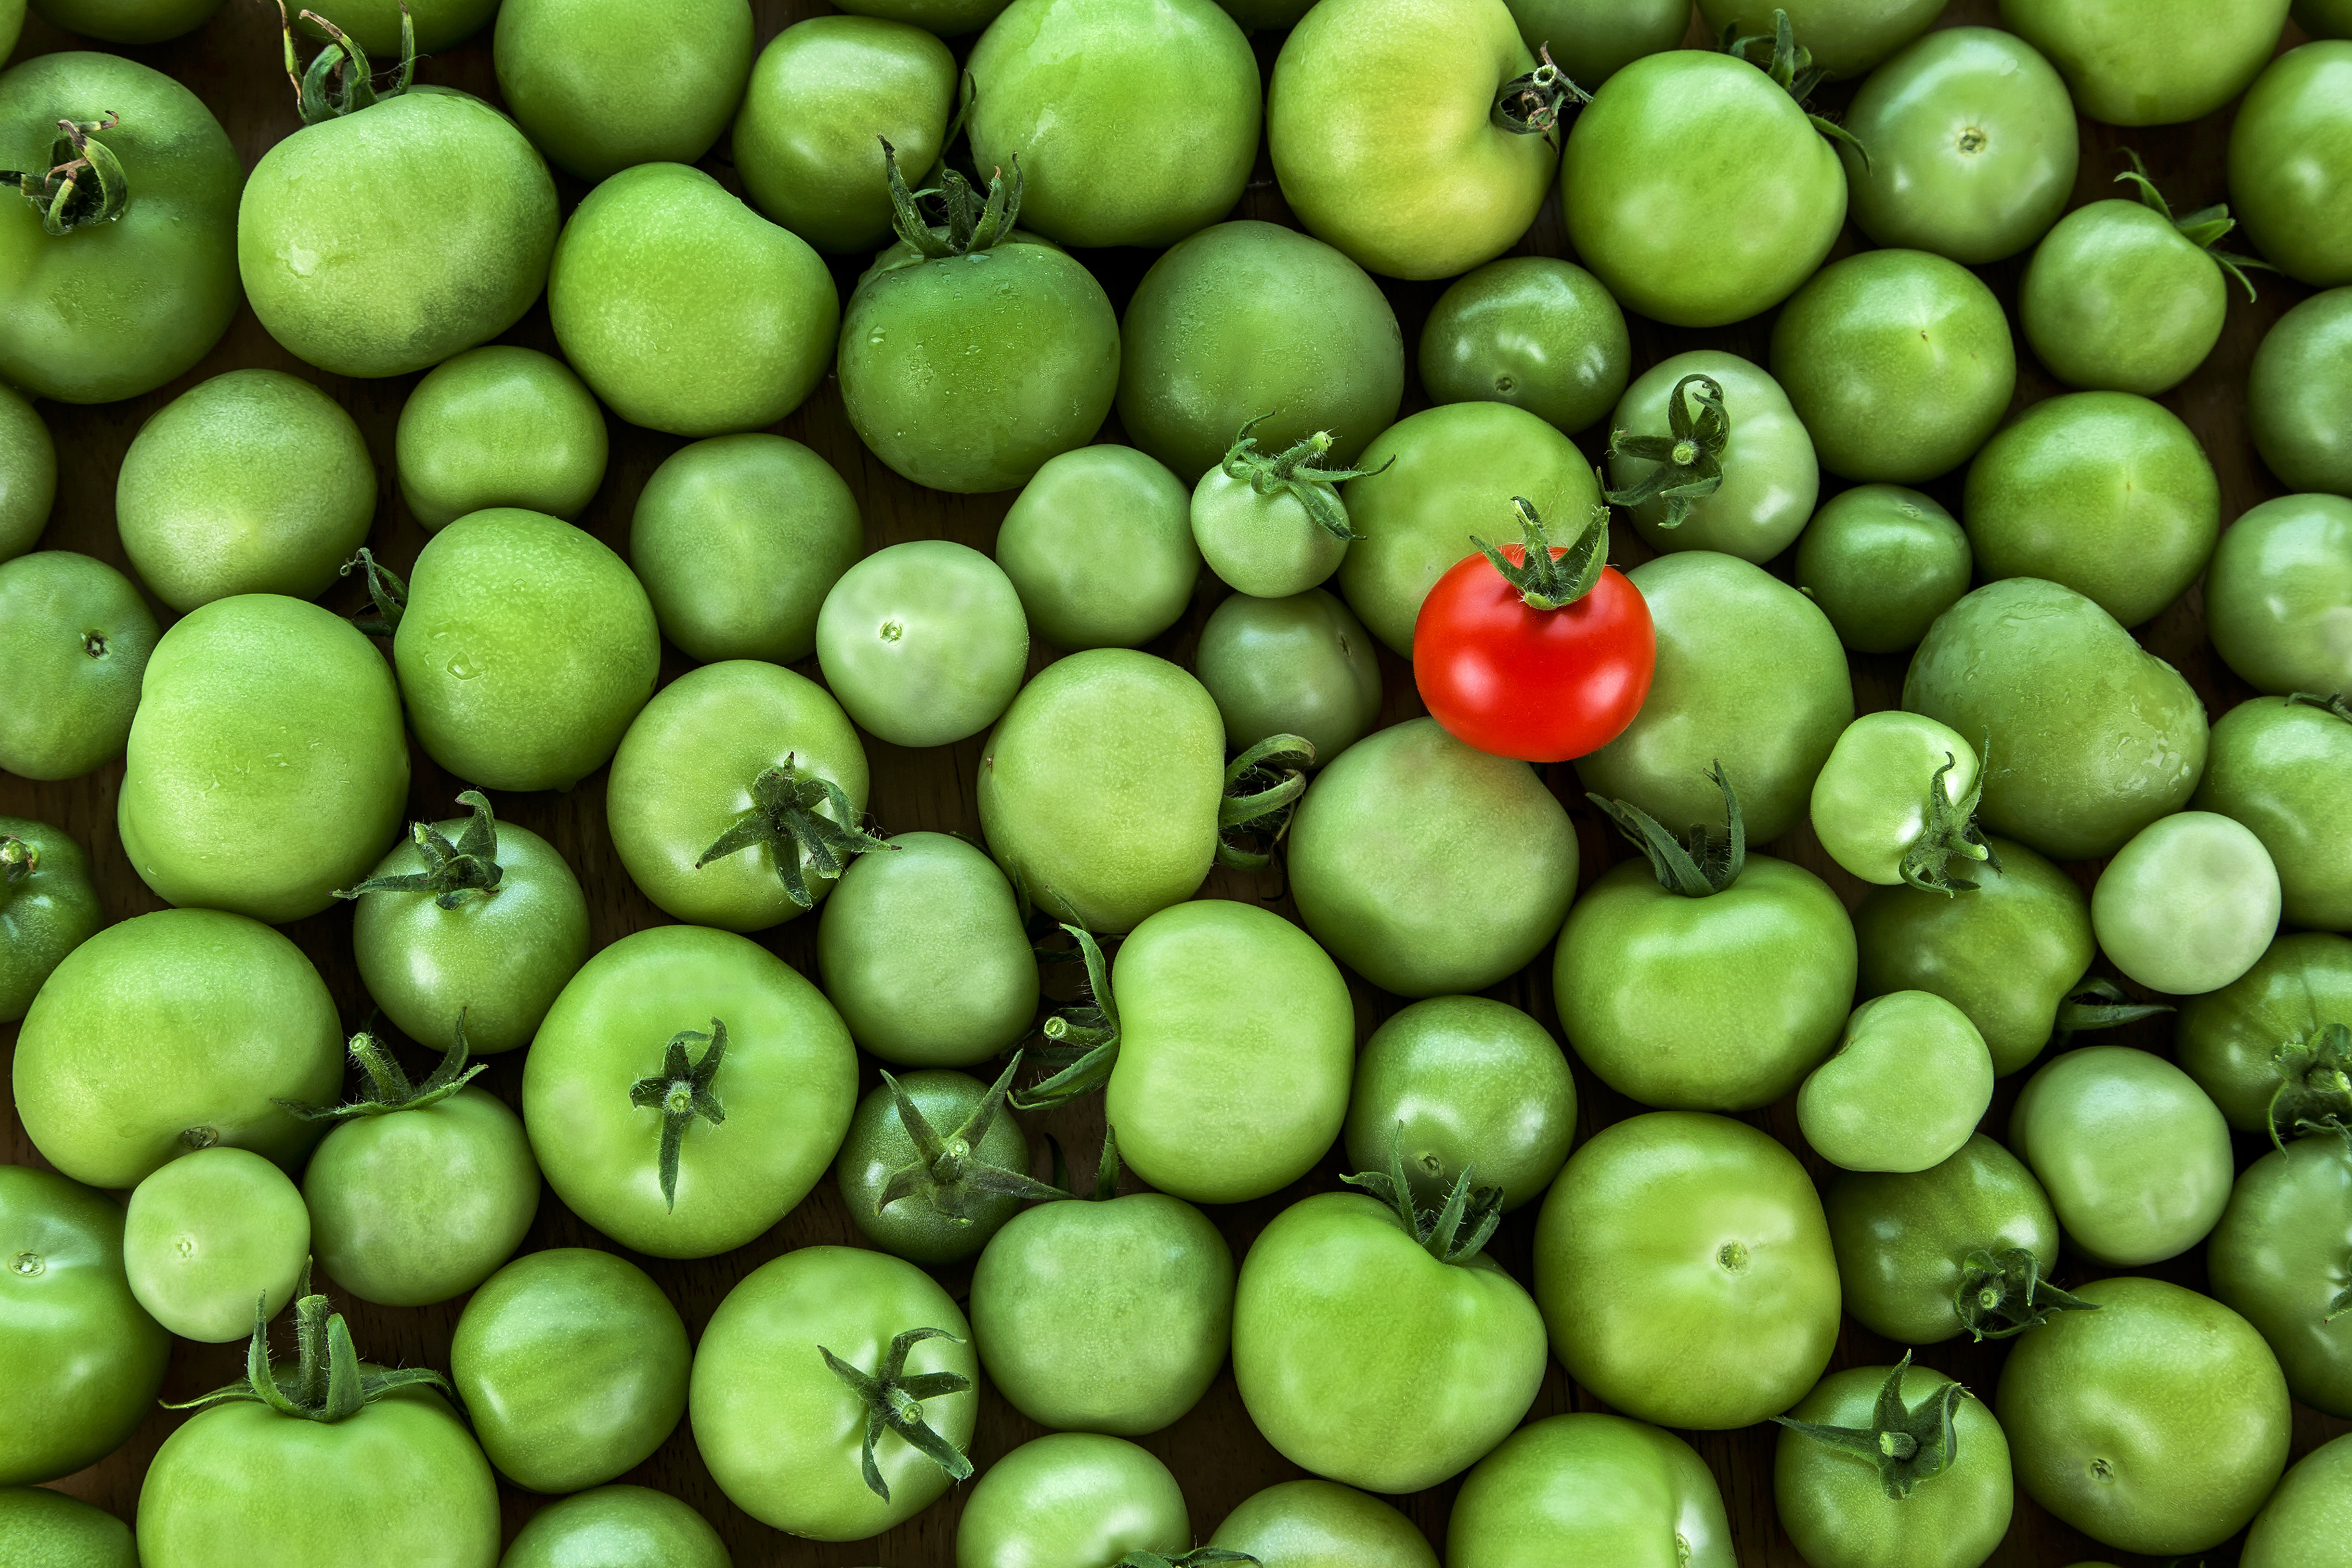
[
  {"x": 203, "y": 1231},
  {"x": 127, "y": 21},
  {"x": 2188, "y": 904},
  {"x": 1099, "y": 546},
  {"x": 1591, "y": 1488},
  {"x": 52, "y": 910},
  {"x": 1071, "y": 1497},
  {"x": 2274, "y": 595},
  {"x": 600, "y": 87},
  {"x": 40, "y": 1526},
  {"x": 1532, "y": 331},
  {"x": 1903, "y": 1239},
  {"x": 2131, "y": 62},
  {"x": 1302, "y": 666},
  {"x": 1480, "y": 653},
  {"x": 2118, "y": 298},
  {"x": 2306, "y": 1518},
  {"x": 2299, "y": 395},
  {"x": 29, "y": 473},
  {"x": 1836, "y": 1509},
  {"x": 437, "y": 24},
  {"x": 1317, "y": 1520},
  {"x": 617, "y": 1525},
  {"x": 2135, "y": 1157},
  {"x": 1904, "y": 1091},
  {"x": 923, "y": 643},
  {"x": 2289, "y": 145},
  {"x": 1872, "y": 802},
  {"x": 76, "y": 637},
  {"x": 2227, "y": 1039},
  {"x": 2278, "y": 1258},
  {"x": 500, "y": 425}
]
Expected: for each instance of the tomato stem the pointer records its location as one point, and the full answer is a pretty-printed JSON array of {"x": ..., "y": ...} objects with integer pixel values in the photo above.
[
  {"x": 339, "y": 80},
  {"x": 451, "y": 870},
  {"x": 2315, "y": 1084},
  {"x": 681, "y": 1091},
  {"x": 1951, "y": 830},
  {"x": 1261, "y": 785},
  {"x": 329, "y": 1385},
  {"x": 84, "y": 184},
  {"x": 2203, "y": 228},
  {"x": 1531, "y": 105},
  {"x": 948, "y": 1170},
  {"x": 1458, "y": 1230},
  {"x": 384, "y": 1085},
  {"x": 1908, "y": 1443},
  {"x": 1550, "y": 576},
  {"x": 2002, "y": 1294},
  {"x": 1699, "y": 868},
  {"x": 969, "y": 228},
  {"x": 785, "y": 817},
  {"x": 894, "y": 1403},
  {"x": 1081, "y": 1042},
  {"x": 1297, "y": 470},
  {"x": 1689, "y": 457}
]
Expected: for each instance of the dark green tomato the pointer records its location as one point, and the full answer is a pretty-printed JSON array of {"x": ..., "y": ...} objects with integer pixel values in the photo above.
[
  {"x": 1771, "y": 474},
  {"x": 617, "y": 1526},
  {"x": 879, "y": 1147},
  {"x": 2229, "y": 1040},
  {"x": 2134, "y": 1158},
  {"x": 206, "y": 1233},
  {"x": 2281, "y": 769},
  {"x": 1903, "y": 1239},
  {"x": 922, "y": 950},
  {"x": 1362, "y": 1357},
  {"x": 44, "y": 1529},
  {"x": 1592, "y": 40},
  {"x": 600, "y": 87},
  {"x": 1099, "y": 789},
  {"x": 923, "y": 642},
  {"x": 80, "y": 1360},
  {"x": 1972, "y": 146},
  {"x": 2275, "y": 595},
  {"x": 2306, "y": 1516},
  {"x": 948, "y": 18},
  {"x": 1695, "y": 188},
  {"x": 117, "y": 308},
  {"x": 386, "y": 240},
  {"x": 2291, "y": 163},
  {"x": 2156, "y": 1423},
  {"x": 2117, "y": 297},
  {"x": 573, "y": 1365},
  {"x": 1750, "y": 673},
  {"x": 1301, "y": 666},
  {"x": 500, "y": 426},
  {"x": 1722, "y": 1002},
  {"x": 1247, "y": 318},
  {"x": 127, "y": 21},
  {"x": 1532, "y": 331},
  {"x": 1429, "y": 868},
  {"x": 1883, "y": 563},
  {"x": 526, "y": 650},
  {"x": 1835, "y": 1505},
  {"x": 436, "y": 24},
  {"x": 1591, "y": 1488},
  {"x": 1306, "y": 1523},
  {"x": 737, "y": 539},
  {"x": 1462, "y": 1083},
  {"x": 2299, "y": 395},
  {"x": 29, "y": 473},
  {"x": 1099, "y": 547},
  {"x": 740, "y": 350},
  {"x": 48, "y": 907},
  {"x": 74, "y": 637},
  {"x": 2093, "y": 737},
  {"x": 1381, "y": 122},
  {"x": 1069, "y": 1499},
  {"x": 1432, "y": 481},
  {"x": 820, "y": 93},
  {"x": 2279, "y": 1257},
  {"x": 1898, "y": 362},
  {"x": 266, "y": 765},
  {"x": 1909, "y": 1082},
  {"x": 1109, "y": 1316},
  {"x": 1846, "y": 37},
  {"x": 2128, "y": 62},
  {"x": 1685, "y": 1272}
]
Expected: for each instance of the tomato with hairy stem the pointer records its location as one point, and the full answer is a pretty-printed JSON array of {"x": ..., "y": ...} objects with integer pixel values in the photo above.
[
  {"x": 600, "y": 87},
  {"x": 1099, "y": 546},
  {"x": 499, "y": 425},
  {"x": 2278, "y": 1256},
  {"x": 1534, "y": 332},
  {"x": 933, "y": 1165},
  {"x": 1883, "y": 563},
  {"x": 2306, "y": 1516},
  {"x": 923, "y": 643},
  {"x": 1892, "y": 1468},
  {"x": 1591, "y": 1486},
  {"x": 1301, "y": 666},
  {"x": 2188, "y": 905},
  {"x": 2149, "y": 64},
  {"x": 2299, "y": 395},
  {"x": 1909, "y": 1082},
  {"x": 1072, "y": 1497},
  {"x": 2269, "y": 1048},
  {"x": 1271, "y": 524},
  {"x": 1896, "y": 801},
  {"x": 2135, "y": 1157},
  {"x": 206, "y": 1233},
  {"x": 2275, "y": 595},
  {"x": 76, "y": 636},
  {"x": 48, "y": 907},
  {"x": 617, "y": 1525},
  {"x": 2288, "y": 147},
  {"x": 1317, "y": 1520},
  {"x": 1707, "y": 454},
  {"x": 29, "y": 473},
  {"x": 1458, "y": 1082},
  {"x": 2277, "y": 765}
]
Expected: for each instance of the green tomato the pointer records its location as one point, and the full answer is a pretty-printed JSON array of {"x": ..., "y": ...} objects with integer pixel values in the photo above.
[
  {"x": 2188, "y": 904},
  {"x": 12, "y": 23},
  {"x": 1838, "y": 1509},
  {"x": 28, "y": 473},
  {"x": 2305, "y": 1518},
  {"x": 116, "y": 308},
  {"x": 1099, "y": 546},
  {"x": 1590, "y": 1487},
  {"x": 786, "y": 1086},
  {"x": 1135, "y": 120},
  {"x": 1363, "y": 1354},
  {"x": 499, "y": 426},
  {"x": 45, "y": 1528},
  {"x": 364, "y": 256},
  {"x": 573, "y": 1365},
  {"x": 1099, "y": 789},
  {"x": 2131, "y": 62},
  {"x": 1462, "y": 1083},
  {"x": 1898, "y": 362},
  {"x": 1537, "y": 333},
  {"x": 1394, "y": 867},
  {"x": 2095, "y": 737},
  {"x": 1909, "y": 1082},
  {"x": 1750, "y": 673},
  {"x": 1846, "y": 37},
  {"x": 127, "y": 21},
  {"x": 1771, "y": 476},
  {"x": 1695, "y": 187},
  {"x": 923, "y": 643},
  {"x": 1883, "y": 563},
  {"x": 740, "y": 350},
  {"x": 1873, "y": 803},
  {"x": 205, "y": 1234},
  {"x": 782, "y": 1432},
  {"x": 2232, "y": 1041},
  {"x": 1071, "y": 1500},
  {"x": 80, "y": 1360},
  {"x": 922, "y": 951},
  {"x": 737, "y": 539},
  {"x": 1302, "y": 666},
  {"x": 948, "y": 18},
  {"x": 2119, "y": 297},
  {"x": 436, "y": 24},
  {"x": 1592, "y": 40},
  {"x": 76, "y": 637},
  {"x": 48, "y": 907},
  {"x": 526, "y": 650},
  {"x": 1249, "y": 320},
  {"x": 1302, "y": 1524},
  {"x": 600, "y": 87},
  {"x": 2278, "y": 1258},
  {"x": 2289, "y": 147},
  {"x": 266, "y": 765},
  {"x": 2156, "y": 1423},
  {"x": 2299, "y": 395},
  {"x": 2134, "y": 1158},
  {"x": 1972, "y": 146},
  {"x": 1909, "y": 1243},
  {"x": 1263, "y": 541},
  {"x": 617, "y": 1526},
  {"x": 820, "y": 93},
  {"x": 2277, "y": 591},
  {"x": 1433, "y": 480},
  {"x": 879, "y": 1147}
]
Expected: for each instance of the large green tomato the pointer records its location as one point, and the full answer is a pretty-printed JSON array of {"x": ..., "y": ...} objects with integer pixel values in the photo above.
[
  {"x": 618, "y": 1526},
  {"x": 1839, "y": 1506},
  {"x": 120, "y": 304},
  {"x": 500, "y": 425},
  {"x": 600, "y": 87},
  {"x": 948, "y": 1217},
  {"x": 1749, "y": 674},
  {"x": 49, "y": 1530},
  {"x": 2299, "y": 395},
  {"x": 1590, "y": 1488},
  {"x": 1770, "y": 475},
  {"x": 2276, "y": 593},
  {"x": 1072, "y": 1497},
  {"x": 1302, "y": 666},
  {"x": 2093, "y": 737},
  {"x": 29, "y": 473},
  {"x": 2306, "y": 1516},
  {"x": 2134, "y": 1158},
  {"x": 740, "y": 350},
  {"x": 2188, "y": 905},
  {"x": 1909, "y": 1083},
  {"x": 2156, "y": 1423},
  {"x": 48, "y": 907},
  {"x": 76, "y": 637},
  {"x": 1302, "y": 1524},
  {"x": 2150, "y": 62},
  {"x": 80, "y": 1360},
  {"x": 1846, "y": 37},
  {"x": 2291, "y": 163},
  {"x": 1532, "y": 331},
  {"x": 2118, "y": 296},
  {"x": 923, "y": 643},
  {"x": 2278, "y": 1257},
  {"x": 1883, "y": 563},
  {"x": 1696, "y": 188},
  {"x": 1380, "y": 118},
  {"x": 206, "y": 1233},
  {"x": 266, "y": 765},
  {"x": 1099, "y": 547},
  {"x": 526, "y": 650},
  {"x": 2257, "y": 1046},
  {"x": 1429, "y": 868},
  {"x": 1686, "y": 1272},
  {"x": 1462, "y": 1083},
  {"x": 127, "y": 21},
  {"x": 675, "y": 1152}
]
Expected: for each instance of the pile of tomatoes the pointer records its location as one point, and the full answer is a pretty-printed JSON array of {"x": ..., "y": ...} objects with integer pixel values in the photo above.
[{"x": 1302, "y": 773}]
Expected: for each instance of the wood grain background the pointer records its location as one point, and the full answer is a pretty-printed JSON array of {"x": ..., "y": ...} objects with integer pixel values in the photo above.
[{"x": 232, "y": 63}]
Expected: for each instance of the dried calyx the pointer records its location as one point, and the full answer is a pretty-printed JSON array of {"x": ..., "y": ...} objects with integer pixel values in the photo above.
[
  {"x": 1532, "y": 104},
  {"x": 83, "y": 184},
  {"x": 339, "y": 80}
]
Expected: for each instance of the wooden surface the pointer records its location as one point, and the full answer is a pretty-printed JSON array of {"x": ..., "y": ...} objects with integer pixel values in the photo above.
[{"x": 232, "y": 63}]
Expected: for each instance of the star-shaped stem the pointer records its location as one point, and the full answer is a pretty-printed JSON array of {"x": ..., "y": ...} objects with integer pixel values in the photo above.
[
  {"x": 1532, "y": 104},
  {"x": 786, "y": 820},
  {"x": 1908, "y": 1443},
  {"x": 1297, "y": 470},
  {"x": 948, "y": 1167},
  {"x": 2002, "y": 1294},
  {"x": 451, "y": 870},
  {"x": 2315, "y": 1083},
  {"x": 681, "y": 1091},
  {"x": 1546, "y": 581},
  {"x": 1951, "y": 830},
  {"x": 338, "y": 80},
  {"x": 971, "y": 225},
  {"x": 1689, "y": 457},
  {"x": 1456, "y": 1232},
  {"x": 84, "y": 183},
  {"x": 894, "y": 1403}
]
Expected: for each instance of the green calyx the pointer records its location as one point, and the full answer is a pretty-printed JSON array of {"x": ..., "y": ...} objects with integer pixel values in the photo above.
[
  {"x": 785, "y": 819},
  {"x": 1081, "y": 1041},
  {"x": 1262, "y": 787},
  {"x": 2002, "y": 1294},
  {"x": 388, "y": 592},
  {"x": 2334, "y": 702},
  {"x": 1699, "y": 869},
  {"x": 83, "y": 184},
  {"x": 894, "y": 1403},
  {"x": 451, "y": 870},
  {"x": 1908, "y": 1443},
  {"x": 681, "y": 1091},
  {"x": 338, "y": 80},
  {"x": 1453, "y": 1234},
  {"x": 972, "y": 226},
  {"x": 1689, "y": 457},
  {"x": 1198, "y": 1557},
  {"x": 1531, "y": 105},
  {"x": 2099, "y": 1003},
  {"x": 1297, "y": 470},
  {"x": 329, "y": 1384},
  {"x": 19, "y": 860},
  {"x": 385, "y": 1088},
  {"x": 1951, "y": 830},
  {"x": 2314, "y": 1086},
  {"x": 1545, "y": 581},
  {"x": 2203, "y": 228},
  {"x": 948, "y": 1168},
  {"x": 1790, "y": 64}
]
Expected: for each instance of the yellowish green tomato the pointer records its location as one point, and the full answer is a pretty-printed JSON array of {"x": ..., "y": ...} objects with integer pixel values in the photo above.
[
  {"x": 600, "y": 84},
  {"x": 1099, "y": 546},
  {"x": 1883, "y": 563},
  {"x": 28, "y": 473},
  {"x": 1263, "y": 521},
  {"x": 1592, "y": 40},
  {"x": 923, "y": 643},
  {"x": 2308, "y": 1514},
  {"x": 210, "y": 1235},
  {"x": 1533, "y": 331},
  {"x": 1768, "y": 475},
  {"x": 499, "y": 425},
  {"x": 2278, "y": 595},
  {"x": 74, "y": 637},
  {"x": 615, "y": 1527},
  {"x": 1302, "y": 666},
  {"x": 2299, "y": 395},
  {"x": 1909, "y": 1082},
  {"x": 1890, "y": 804},
  {"x": 2188, "y": 904},
  {"x": 1314, "y": 1521},
  {"x": 2130, "y": 62},
  {"x": 2135, "y": 1157},
  {"x": 41, "y": 1526},
  {"x": 1462, "y": 1083},
  {"x": 1072, "y": 1497},
  {"x": 48, "y": 907}
]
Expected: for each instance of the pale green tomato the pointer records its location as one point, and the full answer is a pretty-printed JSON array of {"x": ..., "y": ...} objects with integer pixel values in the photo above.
[
  {"x": 211, "y": 1235},
  {"x": 1099, "y": 546},
  {"x": 1071, "y": 1498},
  {"x": 1909, "y": 1083},
  {"x": 617, "y": 1526},
  {"x": 1302, "y": 666},
  {"x": 923, "y": 643},
  {"x": 1871, "y": 800},
  {"x": 2188, "y": 904},
  {"x": 1771, "y": 477},
  {"x": 1263, "y": 543},
  {"x": 499, "y": 426},
  {"x": 2134, "y": 1158}
]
